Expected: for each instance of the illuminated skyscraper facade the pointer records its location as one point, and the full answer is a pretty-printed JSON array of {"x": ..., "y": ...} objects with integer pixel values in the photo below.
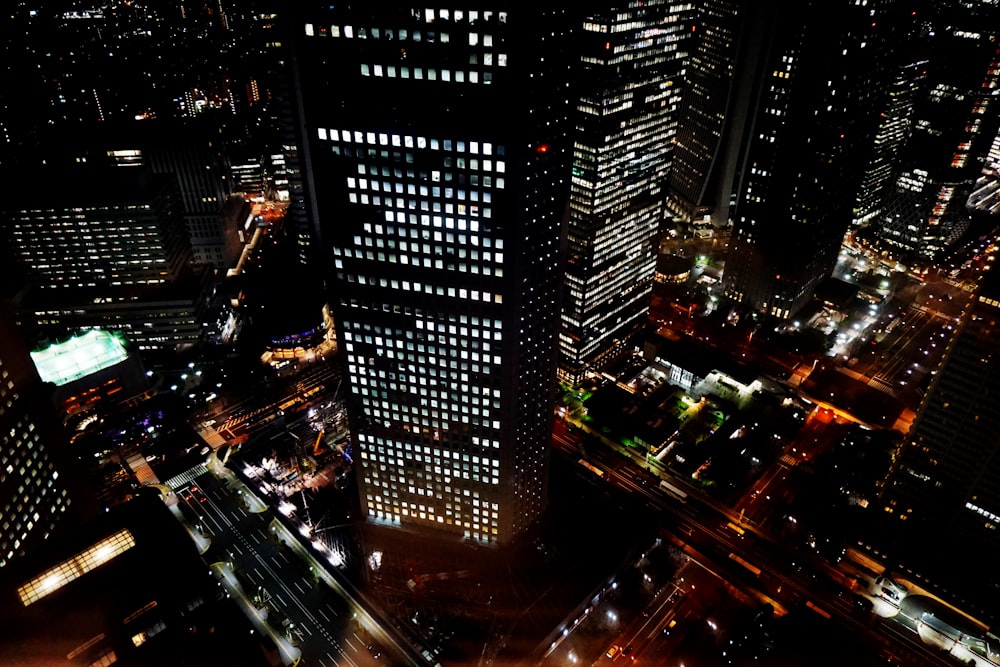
[
  {"x": 107, "y": 248},
  {"x": 894, "y": 128},
  {"x": 627, "y": 117},
  {"x": 438, "y": 176},
  {"x": 34, "y": 498}
]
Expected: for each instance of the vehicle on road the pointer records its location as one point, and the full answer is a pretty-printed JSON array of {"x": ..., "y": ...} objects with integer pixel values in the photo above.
[
  {"x": 736, "y": 529},
  {"x": 198, "y": 494},
  {"x": 674, "y": 491}
]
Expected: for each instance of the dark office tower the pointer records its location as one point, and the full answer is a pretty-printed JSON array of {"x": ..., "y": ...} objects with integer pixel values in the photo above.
[
  {"x": 945, "y": 482},
  {"x": 273, "y": 31},
  {"x": 262, "y": 79},
  {"x": 812, "y": 113},
  {"x": 890, "y": 139},
  {"x": 702, "y": 169},
  {"x": 439, "y": 170},
  {"x": 33, "y": 490},
  {"x": 194, "y": 154},
  {"x": 954, "y": 122},
  {"x": 632, "y": 60}
]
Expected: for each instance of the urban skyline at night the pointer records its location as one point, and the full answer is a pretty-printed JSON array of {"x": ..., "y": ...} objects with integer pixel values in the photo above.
[{"x": 580, "y": 333}]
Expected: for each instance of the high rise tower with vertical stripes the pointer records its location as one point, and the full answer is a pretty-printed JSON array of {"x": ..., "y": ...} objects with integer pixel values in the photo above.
[{"x": 632, "y": 57}]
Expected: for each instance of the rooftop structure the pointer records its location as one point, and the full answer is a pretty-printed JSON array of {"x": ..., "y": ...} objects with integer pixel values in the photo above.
[{"x": 90, "y": 352}]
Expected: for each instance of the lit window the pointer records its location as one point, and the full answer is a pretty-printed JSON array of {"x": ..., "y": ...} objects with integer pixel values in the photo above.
[{"x": 55, "y": 578}]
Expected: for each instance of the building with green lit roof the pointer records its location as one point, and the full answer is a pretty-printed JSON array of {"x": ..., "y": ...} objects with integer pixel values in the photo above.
[
  {"x": 91, "y": 369},
  {"x": 79, "y": 356}
]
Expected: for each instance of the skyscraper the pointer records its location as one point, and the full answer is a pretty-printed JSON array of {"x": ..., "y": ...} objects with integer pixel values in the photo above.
[
  {"x": 106, "y": 248},
  {"x": 34, "y": 494},
  {"x": 945, "y": 479},
  {"x": 986, "y": 196},
  {"x": 905, "y": 87},
  {"x": 438, "y": 173},
  {"x": 813, "y": 112},
  {"x": 954, "y": 122},
  {"x": 703, "y": 166},
  {"x": 632, "y": 61}
]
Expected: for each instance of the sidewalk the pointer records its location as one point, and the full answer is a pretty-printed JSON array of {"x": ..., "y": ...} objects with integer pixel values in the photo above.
[{"x": 290, "y": 655}]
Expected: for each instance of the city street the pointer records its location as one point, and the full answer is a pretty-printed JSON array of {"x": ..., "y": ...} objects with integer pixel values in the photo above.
[{"x": 262, "y": 565}]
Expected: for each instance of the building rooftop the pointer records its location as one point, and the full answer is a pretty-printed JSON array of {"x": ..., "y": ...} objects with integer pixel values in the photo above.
[
  {"x": 80, "y": 356},
  {"x": 700, "y": 358},
  {"x": 126, "y": 588}
]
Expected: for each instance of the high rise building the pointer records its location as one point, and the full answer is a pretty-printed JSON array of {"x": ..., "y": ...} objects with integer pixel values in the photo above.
[
  {"x": 954, "y": 122},
  {"x": 106, "y": 248},
  {"x": 703, "y": 167},
  {"x": 814, "y": 85},
  {"x": 194, "y": 153},
  {"x": 945, "y": 481},
  {"x": 91, "y": 598},
  {"x": 905, "y": 87},
  {"x": 34, "y": 493},
  {"x": 438, "y": 171},
  {"x": 629, "y": 96}
]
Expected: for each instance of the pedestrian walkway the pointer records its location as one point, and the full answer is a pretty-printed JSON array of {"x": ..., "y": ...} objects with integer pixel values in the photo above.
[
  {"x": 187, "y": 476},
  {"x": 290, "y": 655},
  {"x": 881, "y": 385}
]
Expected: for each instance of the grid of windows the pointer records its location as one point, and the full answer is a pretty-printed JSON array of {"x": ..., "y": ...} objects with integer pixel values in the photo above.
[
  {"x": 89, "y": 246},
  {"x": 69, "y": 570},
  {"x": 445, "y": 251},
  {"x": 431, "y": 27},
  {"x": 699, "y": 153},
  {"x": 435, "y": 196},
  {"x": 621, "y": 158},
  {"x": 32, "y": 497}
]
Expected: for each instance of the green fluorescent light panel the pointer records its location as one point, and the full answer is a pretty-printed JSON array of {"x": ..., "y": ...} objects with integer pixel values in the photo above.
[{"x": 78, "y": 357}]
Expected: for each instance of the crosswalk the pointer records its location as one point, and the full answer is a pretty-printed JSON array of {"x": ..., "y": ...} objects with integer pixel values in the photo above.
[
  {"x": 789, "y": 460},
  {"x": 882, "y": 386},
  {"x": 235, "y": 421},
  {"x": 187, "y": 476}
]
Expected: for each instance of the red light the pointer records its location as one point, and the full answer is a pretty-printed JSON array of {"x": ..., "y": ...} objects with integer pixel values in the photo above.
[{"x": 542, "y": 148}]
